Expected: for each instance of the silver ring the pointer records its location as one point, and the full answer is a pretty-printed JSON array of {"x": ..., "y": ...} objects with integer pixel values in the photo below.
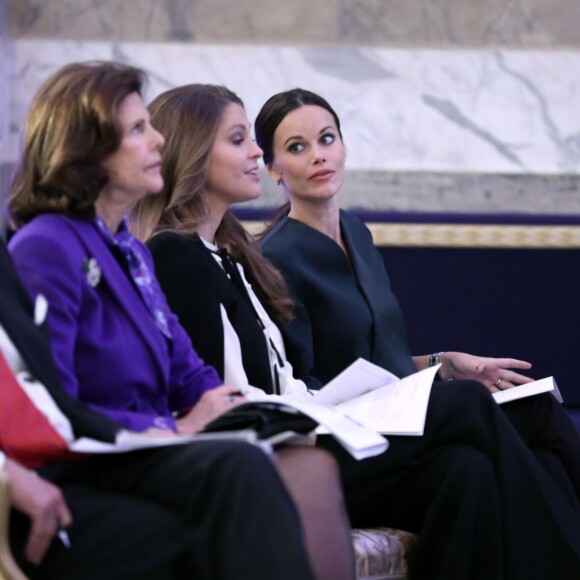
[
  {"x": 497, "y": 383},
  {"x": 231, "y": 399}
]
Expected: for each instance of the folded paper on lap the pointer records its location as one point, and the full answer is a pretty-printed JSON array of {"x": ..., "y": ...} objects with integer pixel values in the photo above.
[
  {"x": 379, "y": 400},
  {"x": 529, "y": 389}
]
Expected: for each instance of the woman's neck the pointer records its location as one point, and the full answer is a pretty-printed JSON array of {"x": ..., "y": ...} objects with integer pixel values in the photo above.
[
  {"x": 110, "y": 212},
  {"x": 323, "y": 217},
  {"x": 207, "y": 230}
]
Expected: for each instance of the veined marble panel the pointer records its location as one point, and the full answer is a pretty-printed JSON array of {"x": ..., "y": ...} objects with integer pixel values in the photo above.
[
  {"x": 395, "y": 23},
  {"x": 501, "y": 112},
  {"x": 461, "y": 23},
  {"x": 6, "y": 62},
  {"x": 229, "y": 21}
]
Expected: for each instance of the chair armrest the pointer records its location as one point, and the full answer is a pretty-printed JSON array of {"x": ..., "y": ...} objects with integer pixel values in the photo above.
[{"x": 9, "y": 570}]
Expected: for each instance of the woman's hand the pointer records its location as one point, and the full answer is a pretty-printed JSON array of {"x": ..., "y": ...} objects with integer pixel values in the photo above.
[
  {"x": 211, "y": 404},
  {"x": 494, "y": 373},
  {"x": 43, "y": 503}
]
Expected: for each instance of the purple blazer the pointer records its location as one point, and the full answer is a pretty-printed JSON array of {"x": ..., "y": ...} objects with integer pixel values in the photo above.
[{"x": 107, "y": 347}]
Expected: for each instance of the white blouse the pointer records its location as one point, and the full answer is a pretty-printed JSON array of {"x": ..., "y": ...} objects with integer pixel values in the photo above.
[{"x": 234, "y": 373}]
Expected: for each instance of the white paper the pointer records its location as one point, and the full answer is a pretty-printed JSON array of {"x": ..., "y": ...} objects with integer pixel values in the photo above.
[
  {"x": 358, "y": 378},
  {"x": 529, "y": 389},
  {"x": 358, "y": 440},
  {"x": 398, "y": 408},
  {"x": 133, "y": 441}
]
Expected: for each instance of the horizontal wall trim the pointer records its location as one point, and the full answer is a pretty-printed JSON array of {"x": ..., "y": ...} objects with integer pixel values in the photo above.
[
  {"x": 467, "y": 235},
  {"x": 397, "y": 191}
]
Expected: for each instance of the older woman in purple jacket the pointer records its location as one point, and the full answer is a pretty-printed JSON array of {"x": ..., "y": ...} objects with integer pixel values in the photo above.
[{"x": 90, "y": 154}]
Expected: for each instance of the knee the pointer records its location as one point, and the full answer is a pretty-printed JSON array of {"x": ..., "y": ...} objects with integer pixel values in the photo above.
[
  {"x": 307, "y": 470},
  {"x": 465, "y": 394},
  {"x": 240, "y": 460},
  {"x": 322, "y": 467},
  {"x": 312, "y": 463},
  {"x": 465, "y": 459}
]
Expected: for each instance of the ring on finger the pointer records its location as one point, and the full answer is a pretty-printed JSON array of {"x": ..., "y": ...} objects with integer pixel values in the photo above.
[
  {"x": 231, "y": 399},
  {"x": 497, "y": 383}
]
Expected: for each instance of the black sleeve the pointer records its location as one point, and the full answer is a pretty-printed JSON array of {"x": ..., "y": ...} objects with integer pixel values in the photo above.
[{"x": 187, "y": 274}]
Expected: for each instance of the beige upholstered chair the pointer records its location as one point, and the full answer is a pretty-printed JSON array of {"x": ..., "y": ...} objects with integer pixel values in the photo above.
[
  {"x": 9, "y": 570},
  {"x": 382, "y": 553}
]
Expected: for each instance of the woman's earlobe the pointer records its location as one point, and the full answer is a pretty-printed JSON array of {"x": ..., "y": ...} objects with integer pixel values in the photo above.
[{"x": 275, "y": 175}]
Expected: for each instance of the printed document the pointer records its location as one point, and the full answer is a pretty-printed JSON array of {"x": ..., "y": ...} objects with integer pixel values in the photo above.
[
  {"x": 528, "y": 389},
  {"x": 378, "y": 399}
]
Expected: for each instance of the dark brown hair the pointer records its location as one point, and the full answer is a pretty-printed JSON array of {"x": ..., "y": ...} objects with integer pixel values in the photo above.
[
  {"x": 189, "y": 117},
  {"x": 72, "y": 126}
]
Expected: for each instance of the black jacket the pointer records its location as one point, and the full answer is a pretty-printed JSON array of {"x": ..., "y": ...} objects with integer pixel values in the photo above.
[{"x": 344, "y": 309}]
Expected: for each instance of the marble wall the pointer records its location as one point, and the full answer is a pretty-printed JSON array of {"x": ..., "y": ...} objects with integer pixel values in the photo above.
[
  {"x": 448, "y": 105},
  {"x": 513, "y": 24},
  {"x": 6, "y": 90}
]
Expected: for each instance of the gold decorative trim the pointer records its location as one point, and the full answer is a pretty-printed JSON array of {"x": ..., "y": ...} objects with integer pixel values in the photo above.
[
  {"x": 475, "y": 236},
  {"x": 467, "y": 235}
]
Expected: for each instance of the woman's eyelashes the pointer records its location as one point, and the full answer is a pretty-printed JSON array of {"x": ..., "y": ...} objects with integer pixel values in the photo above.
[
  {"x": 238, "y": 138},
  {"x": 298, "y": 146},
  {"x": 138, "y": 127},
  {"x": 295, "y": 147}
]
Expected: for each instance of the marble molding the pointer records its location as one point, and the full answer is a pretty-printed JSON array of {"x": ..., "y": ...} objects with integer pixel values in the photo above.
[
  {"x": 522, "y": 24},
  {"x": 439, "y": 192}
]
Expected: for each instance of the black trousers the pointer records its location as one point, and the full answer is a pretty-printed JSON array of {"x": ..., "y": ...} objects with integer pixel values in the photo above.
[
  {"x": 551, "y": 436},
  {"x": 483, "y": 504},
  {"x": 204, "y": 510}
]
